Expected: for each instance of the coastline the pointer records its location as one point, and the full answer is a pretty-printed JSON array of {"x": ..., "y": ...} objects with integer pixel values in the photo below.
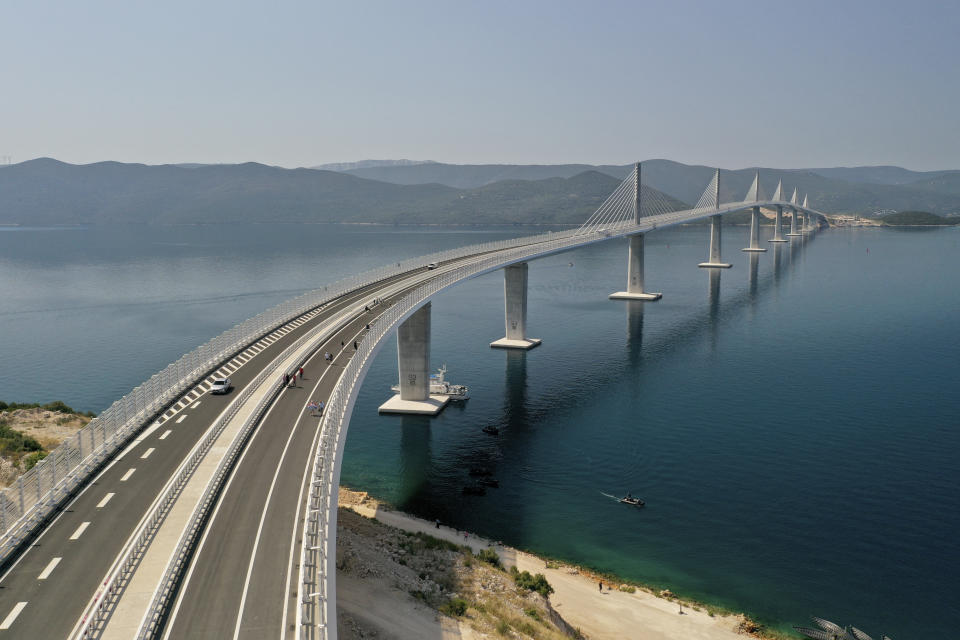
[{"x": 619, "y": 610}]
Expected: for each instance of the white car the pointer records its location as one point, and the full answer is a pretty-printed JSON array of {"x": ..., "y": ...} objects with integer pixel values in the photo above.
[
  {"x": 432, "y": 266},
  {"x": 220, "y": 385}
]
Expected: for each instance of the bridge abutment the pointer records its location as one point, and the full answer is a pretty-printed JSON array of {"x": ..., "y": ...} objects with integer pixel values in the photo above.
[
  {"x": 413, "y": 361},
  {"x": 635, "y": 274},
  {"x": 715, "y": 262},
  {"x": 754, "y": 231},
  {"x": 515, "y": 309}
]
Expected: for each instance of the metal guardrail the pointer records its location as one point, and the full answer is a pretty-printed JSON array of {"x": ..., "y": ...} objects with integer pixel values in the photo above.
[{"x": 103, "y": 602}]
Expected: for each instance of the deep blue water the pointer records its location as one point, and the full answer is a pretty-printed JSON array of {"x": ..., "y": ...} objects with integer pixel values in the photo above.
[{"x": 792, "y": 427}]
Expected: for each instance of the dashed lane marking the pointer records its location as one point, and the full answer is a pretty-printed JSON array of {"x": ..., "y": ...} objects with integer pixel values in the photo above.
[
  {"x": 81, "y": 529},
  {"x": 127, "y": 475},
  {"x": 50, "y": 567},
  {"x": 181, "y": 419},
  {"x": 146, "y": 454},
  {"x": 105, "y": 500},
  {"x": 195, "y": 405},
  {"x": 12, "y": 616},
  {"x": 165, "y": 434}
]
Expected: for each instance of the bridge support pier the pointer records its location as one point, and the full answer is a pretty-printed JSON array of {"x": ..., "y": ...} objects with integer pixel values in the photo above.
[
  {"x": 635, "y": 274},
  {"x": 413, "y": 360},
  {"x": 515, "y": 309},
  {"x": 795, "y": 224},
  {"x": 715, "y": 262},
  {"x": 754, "y": 231},
  {"x": 778, "y": 227}
]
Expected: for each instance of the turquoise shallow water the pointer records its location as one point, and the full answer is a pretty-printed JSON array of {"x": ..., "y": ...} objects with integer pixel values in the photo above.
[{"x": 792, "y": 424}]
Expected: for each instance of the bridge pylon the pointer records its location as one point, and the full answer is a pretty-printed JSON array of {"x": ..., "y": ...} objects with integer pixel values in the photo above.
[
  {"x": 754, "y": 194},
  {"x": 795, "y": 227},
  {"x": 778, "y": 224},
  {"x": 515, "y": 309},
  {"x": 635, "y": 256},
  {"x": 716, "y": 222}
]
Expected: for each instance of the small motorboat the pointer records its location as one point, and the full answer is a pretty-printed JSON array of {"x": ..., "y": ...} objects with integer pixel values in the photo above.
[
  {"x": 629, "y": 499},
  {"x": 474, "y": 490},
  {"x": 492, "y": 430},
  {"x": 480, "y": 472},
  {"x": 489, "y": 482}
]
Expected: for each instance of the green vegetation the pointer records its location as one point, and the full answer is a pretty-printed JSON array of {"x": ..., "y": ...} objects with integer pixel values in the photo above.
[
  {"x": 490, "y": 557},
  {"x": 417, "y": 542},
  {"x": 56, "y": 405},
  {"x": 31, "y": 460},
  {"x": 455, "y": 607},
  {"x": 15, "y": 445},
  {"x": 917, "y": 218},
  {"x": 537, "y": 582}
]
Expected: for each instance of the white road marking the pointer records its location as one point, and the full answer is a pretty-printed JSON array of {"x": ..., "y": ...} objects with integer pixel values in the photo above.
[
  {"x": 81, "y": 529},
  {"x": 195, "y": 405},
  {"x": 105, "y": 500},
  {"x": 50, "y": 567},
  {"x": 181, "y": 418},
  {"x": 165, "y": 434},
  {"x": 146, "y": 454},
  {"x": 127, "y": 475},
  {"x": 12, "y": 616}
]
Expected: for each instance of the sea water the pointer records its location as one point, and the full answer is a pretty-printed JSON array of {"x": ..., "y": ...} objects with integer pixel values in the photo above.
[{"x": 791, "y": 422}]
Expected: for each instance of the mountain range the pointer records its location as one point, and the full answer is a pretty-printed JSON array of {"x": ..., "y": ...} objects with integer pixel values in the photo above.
[{"x": 49, "y": 192}]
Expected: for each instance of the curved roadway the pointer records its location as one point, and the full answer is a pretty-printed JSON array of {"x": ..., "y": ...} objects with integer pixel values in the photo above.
[{"x": 242, "y": 579}]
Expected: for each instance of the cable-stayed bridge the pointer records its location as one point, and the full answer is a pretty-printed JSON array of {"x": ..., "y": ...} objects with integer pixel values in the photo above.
[{"x": 176, "y": 513}]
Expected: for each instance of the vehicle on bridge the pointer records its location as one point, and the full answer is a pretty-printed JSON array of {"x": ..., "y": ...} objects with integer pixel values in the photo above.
[{"x": 220, "y": 386}]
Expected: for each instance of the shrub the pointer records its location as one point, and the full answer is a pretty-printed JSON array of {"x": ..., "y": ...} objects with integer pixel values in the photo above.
[
  {"x": 455, "y": 607},
  {"x": 503, "y": 627},
  {"x": 626, "y": 588},
  {"x": 31, "y": 460},
  {"x": 490, "y": 557},
  {"x": 533, "y": 613},
  {"x": 537, "y": 582}
]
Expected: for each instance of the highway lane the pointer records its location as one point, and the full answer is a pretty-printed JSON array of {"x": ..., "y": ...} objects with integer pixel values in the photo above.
[
  {"x": 245, "y": 553},
  {"x": 241, "y": 581},
  {"x": 89, "y": 533}
]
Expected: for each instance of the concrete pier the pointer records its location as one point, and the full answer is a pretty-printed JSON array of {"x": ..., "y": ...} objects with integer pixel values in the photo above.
[
  {"x": 515, "y": 309},
  {"x": 778, "y": 227},
  {"x": 413, "y": 360},
  {"x": 635, "y": 274},
  {"x": 794, "y": 223},
  {"x": 754, "y": 231},
  {"x": 715, "y": 262}
]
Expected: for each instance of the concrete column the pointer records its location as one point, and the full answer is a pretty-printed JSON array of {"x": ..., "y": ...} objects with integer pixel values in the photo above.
[
  {"x": 778, "y": 227},
  {"x": 754, "y": 231},
  {"x": 413, "y": 355},
  {"x": 794, "y": 223},
  {"x": 413, "y": 361},
  {"x": 515, "y": 309},
  {"x": 715, "y": 259},
  {"x": 635, "y": 274}
]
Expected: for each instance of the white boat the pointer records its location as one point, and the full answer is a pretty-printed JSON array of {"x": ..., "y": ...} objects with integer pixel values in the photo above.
[{"x": 440, "y": 387}]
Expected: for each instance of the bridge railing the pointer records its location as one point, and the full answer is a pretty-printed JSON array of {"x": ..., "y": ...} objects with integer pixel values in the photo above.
[
  {"x": 318, "y": 551},
  {"x": 37, "y": 493}
]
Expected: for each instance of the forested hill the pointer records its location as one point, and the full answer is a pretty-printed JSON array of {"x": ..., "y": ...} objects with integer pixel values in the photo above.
[
  {"x": 48, "y": 192},
  {"x": 859, "y": 190}
]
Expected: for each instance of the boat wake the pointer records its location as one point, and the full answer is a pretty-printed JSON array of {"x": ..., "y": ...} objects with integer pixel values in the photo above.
[{"x": 617, "y": 498}]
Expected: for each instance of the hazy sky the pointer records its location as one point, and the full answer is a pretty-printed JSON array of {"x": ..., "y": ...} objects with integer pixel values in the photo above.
[{"x": 735, "y": 84}]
